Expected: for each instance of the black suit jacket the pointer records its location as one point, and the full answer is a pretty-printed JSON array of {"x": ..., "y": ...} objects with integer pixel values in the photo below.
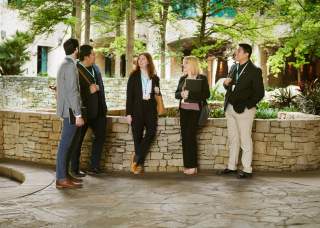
[
  {"x": 134, "y": 95},
  {"x": 198, "y": 97},
  {"x": 93, "y": 102},
  {"x": 248, "y": 91}
]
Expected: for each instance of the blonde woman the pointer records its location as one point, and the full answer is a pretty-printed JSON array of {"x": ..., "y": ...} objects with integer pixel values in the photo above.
[{"x": 190, "y": 106}]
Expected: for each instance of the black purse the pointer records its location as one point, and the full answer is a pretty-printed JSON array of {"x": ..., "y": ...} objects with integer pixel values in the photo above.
[{"x": 204, "y": 115}]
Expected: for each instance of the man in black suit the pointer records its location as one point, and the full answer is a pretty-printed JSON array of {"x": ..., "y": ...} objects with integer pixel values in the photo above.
[
  {"x": 93, "y": 99},
  {"x": 244, "y": 90}
]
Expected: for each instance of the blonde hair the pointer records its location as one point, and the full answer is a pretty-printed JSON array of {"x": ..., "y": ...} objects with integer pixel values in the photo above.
[{"x": 194, "y": 63}]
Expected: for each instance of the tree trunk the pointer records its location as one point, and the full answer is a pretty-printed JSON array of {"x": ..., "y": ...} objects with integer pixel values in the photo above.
[
  {"x": 87, "y": 22},
  {"x": 163, "y": 28},
  {"x": 78, "y": 4},
  {"x": 203, "y": 21},
  {"x": 117, "y": 57},
  {"x": 263, "y": 65},
  {"x": 73, "y": 27},
  {"x": 130, "y": 21},
  {"x": 299, "y": 70}
]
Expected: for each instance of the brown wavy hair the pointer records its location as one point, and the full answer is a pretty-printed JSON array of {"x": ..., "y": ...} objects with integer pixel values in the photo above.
[{"x": 151, "y": 68}]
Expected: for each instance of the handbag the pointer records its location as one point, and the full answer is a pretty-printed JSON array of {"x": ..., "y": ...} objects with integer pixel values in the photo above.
[
  {"x": 160, "y": 105},
  {"x": 204, "y": 115}
]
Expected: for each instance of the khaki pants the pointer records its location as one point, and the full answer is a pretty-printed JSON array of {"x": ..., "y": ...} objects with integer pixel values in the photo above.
[{"x": 239, "y": 135}]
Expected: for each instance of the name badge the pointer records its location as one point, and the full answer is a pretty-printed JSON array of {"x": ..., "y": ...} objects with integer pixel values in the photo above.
[{"x": 232, "y": 88}]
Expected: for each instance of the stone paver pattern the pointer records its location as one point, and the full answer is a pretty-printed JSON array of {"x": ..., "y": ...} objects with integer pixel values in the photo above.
[
  {"x": 173, "y": 200},
  {"x": 6, "y": 182}
]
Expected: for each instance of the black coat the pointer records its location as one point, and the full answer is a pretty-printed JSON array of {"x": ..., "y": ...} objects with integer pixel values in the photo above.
[
  {"x": 135, "y": 96},
  {"x": 198, "y": 97},
  {"x": 93, "y": 102},
  {"x": 248, "y": 91}
]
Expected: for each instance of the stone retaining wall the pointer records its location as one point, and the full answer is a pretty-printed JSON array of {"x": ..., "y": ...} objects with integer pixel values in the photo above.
[
  {"x": 1, "y": 138},
  {"x": 279, "y": 145},
  {"x": 33, "y": 92}
]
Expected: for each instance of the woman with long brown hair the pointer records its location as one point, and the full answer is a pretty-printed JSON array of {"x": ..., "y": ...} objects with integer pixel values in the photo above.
[{"x": 141, "y": 108}]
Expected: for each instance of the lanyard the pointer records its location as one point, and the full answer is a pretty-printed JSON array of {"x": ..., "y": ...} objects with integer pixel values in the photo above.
[
  {"x": 92, "y": 74},
  {"x": 145, "y": 82},
  {"x": 238, "y": 75}
]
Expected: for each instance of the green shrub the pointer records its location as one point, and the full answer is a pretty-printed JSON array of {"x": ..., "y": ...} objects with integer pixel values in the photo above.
[
  {"x": 268, "y": 113},
  {"x": 13, "y": 54},
  {"x": 284, "y": 98},
  {"x": 215, "y": 95},
  {"x": 263, "y": 105},
  {"x": 309, "y": 99},
  {"x": 217, "y": 113},
  {"x": 289, "y": 109}
]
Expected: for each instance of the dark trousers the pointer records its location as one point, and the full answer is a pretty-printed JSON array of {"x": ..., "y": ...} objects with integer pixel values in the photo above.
[
  {"x": 149, "y": 123},
  {"x": 98, "y": 127},
  {"x": 189, "y": 126}
]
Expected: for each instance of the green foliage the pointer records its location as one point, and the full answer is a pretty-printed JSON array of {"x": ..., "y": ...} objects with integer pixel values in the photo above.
[
  {"x": 172, "y": 112},
  {"x": 269, "y": 88},
  {"x": 265, "y": 110},
  {"x": 245, "y": 25},
  {"x": 13, "y": 53},
  {"x": 216, "y": 113},
  {"x": 45, "y": 15},
  {"x": 109, "y": 15},
  {"x": 284, "y": 98},
  {"x": 118, "y": 46},
  {"x": 309, "y": 99},
  {"x": 263, "y": 105},
  {"x": 266, "y": 113},
  {"x": 215, "y": 95},
  {"x": 302, "y": 39}
]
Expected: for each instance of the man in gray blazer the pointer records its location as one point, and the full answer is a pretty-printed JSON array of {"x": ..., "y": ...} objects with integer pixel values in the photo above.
[{"x": 68, "y": 102}]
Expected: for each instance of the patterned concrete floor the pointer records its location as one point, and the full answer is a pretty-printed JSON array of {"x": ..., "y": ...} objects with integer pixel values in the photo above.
[
  {"x": 172, "y": 200},
  {"x": 7, "y": 183}
]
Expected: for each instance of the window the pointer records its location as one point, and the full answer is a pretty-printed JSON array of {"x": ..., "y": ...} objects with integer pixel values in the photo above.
[
  {"x": 42, "y": 67},
  {"x": 108, "y": 66}
]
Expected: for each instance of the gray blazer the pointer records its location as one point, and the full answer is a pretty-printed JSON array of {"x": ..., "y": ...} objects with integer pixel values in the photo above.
[{"x": 68, "y": 93}]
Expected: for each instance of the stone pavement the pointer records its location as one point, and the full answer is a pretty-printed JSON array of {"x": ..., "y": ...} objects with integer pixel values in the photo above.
[
  {"x": 6, "y": 182},
  {"x": 172, "y": 200}
]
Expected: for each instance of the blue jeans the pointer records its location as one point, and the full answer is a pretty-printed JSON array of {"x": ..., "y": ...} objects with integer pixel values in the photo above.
[{"x": 63, "y": 156}]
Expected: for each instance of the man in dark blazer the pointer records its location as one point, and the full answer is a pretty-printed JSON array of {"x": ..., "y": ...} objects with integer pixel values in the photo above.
[
  {"x": 94, "y": 103},
  {"x": 244, "y": 90}
]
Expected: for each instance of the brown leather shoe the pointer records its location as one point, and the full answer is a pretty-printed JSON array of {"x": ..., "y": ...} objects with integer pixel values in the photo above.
[
  {"x": 74, "y": 179},
  {"x": 134, "y": 165},
  {"x": 139, "y": 170},
  {"x": 66, "y": 184}
]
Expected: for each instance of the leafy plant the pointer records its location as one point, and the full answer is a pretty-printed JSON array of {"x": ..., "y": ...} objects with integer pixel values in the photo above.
[
  {"x": 284, "y": 98},
  {"x": 263, "y": 105},
  {"x": 265, "y": 111},
  {"x": 172, "y": 112},
  {"x": 13, "y": 53},
  {"x": 268, "y": 113},
  {"x": 215, "y": 95},
  {"x": 118, "y": 46},
  {"x": 309, "y": 99},
  {"x": 269, "y": 88},
  {"x": 217, "y": 113}
]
